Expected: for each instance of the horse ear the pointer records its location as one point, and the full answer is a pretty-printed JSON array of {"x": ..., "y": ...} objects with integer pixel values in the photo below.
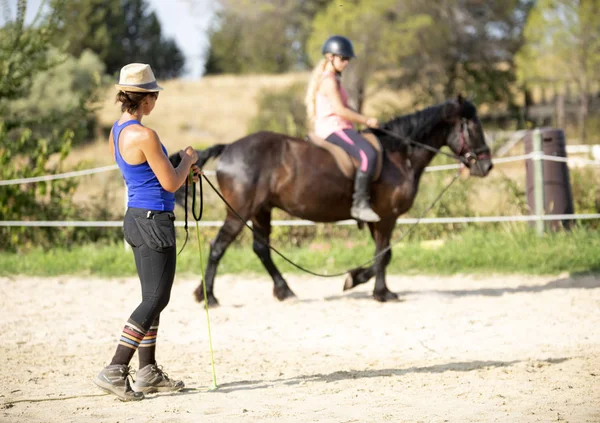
[
  {"x": 452, "y": 110},
  {"x": 460, "y": 99}
]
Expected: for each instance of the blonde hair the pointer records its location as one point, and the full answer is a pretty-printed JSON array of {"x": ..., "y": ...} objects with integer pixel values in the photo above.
[{"x": 311, "y": 92}]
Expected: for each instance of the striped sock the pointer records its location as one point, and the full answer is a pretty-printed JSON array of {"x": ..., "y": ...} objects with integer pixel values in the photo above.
[
  {"x": 147, "y": 349},
  {"x": 130, "y": 339}
]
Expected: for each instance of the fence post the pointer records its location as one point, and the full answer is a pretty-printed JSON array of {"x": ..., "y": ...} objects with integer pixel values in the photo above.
[
  {"x": 538, "y": 184},
  {"x": 125, "y": 244}
]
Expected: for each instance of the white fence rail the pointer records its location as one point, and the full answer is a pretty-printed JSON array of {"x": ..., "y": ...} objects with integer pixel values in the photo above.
[
  {"x": 218, "y": 223},
  {"x": 573, "y": 161}
]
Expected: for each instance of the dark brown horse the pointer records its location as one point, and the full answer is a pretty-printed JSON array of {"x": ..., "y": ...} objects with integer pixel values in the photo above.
[{"x": 265, "y": 170}]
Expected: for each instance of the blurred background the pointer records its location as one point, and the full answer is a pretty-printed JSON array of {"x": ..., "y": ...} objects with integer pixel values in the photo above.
[{"x": 231, "y": 67}]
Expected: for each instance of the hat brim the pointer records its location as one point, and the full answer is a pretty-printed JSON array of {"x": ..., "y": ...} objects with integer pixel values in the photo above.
[{"x": 145, "y": 88}]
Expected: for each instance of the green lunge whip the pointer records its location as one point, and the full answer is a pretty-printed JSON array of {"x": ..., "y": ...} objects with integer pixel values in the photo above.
[{"x": 197, "y": 219}]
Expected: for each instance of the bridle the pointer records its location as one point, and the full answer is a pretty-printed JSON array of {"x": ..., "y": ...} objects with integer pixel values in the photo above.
[
  {"x": 471, "y": 155},
  {"x": 466, "y": 154}
]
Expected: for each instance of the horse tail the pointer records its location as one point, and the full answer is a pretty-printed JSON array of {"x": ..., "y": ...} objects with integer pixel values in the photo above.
[{"x": 209, "y": 153}]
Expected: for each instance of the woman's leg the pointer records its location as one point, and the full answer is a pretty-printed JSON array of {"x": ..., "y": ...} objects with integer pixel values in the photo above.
[
  {"x": 147, "y": 348},
  {"x": 156, "y": 270}
]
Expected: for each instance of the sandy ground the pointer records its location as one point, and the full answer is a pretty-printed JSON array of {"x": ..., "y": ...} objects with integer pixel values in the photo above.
[{"x": 457, "y": 349}]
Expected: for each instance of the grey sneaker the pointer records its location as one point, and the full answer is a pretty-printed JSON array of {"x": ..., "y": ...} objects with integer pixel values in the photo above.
[
  {"x": 114, "y": 380},
  {"x": 152, "y": 378}
]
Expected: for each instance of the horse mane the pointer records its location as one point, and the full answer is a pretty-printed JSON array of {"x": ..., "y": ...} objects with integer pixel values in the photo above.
[{"x": 419, "y": 125}]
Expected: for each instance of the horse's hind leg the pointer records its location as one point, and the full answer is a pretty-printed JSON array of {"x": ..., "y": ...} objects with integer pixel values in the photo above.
[
  {"x": 227, "y": 234},
  {"x": 261, "y": 225}
]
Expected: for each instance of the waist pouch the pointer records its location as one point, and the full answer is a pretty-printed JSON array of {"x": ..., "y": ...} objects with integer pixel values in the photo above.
[{"x": 157, "y": 229}]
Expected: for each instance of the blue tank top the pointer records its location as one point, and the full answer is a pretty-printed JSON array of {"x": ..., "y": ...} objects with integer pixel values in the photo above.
[{"x": 143, "y": 189}]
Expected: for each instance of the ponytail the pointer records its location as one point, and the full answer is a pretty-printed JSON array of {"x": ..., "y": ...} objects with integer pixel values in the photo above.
[{"x": 311, "y": 93}]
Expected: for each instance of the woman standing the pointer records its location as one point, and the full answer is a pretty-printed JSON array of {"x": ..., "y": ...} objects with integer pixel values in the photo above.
[
  {"x": 332, "y": 119},
  {"x": 149, "y": 228}
]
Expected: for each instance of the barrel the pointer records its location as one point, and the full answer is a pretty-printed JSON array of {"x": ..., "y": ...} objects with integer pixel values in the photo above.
[{"x": 558, "y": 197}]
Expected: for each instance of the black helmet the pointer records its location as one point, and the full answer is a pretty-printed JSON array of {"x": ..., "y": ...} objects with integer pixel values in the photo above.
[{"x": 338, "y": 45}]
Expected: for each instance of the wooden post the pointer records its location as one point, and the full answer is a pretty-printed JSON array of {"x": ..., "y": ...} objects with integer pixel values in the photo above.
[
  {"x": 560, "y": 111},
  {"x": 538, "y": 184}
]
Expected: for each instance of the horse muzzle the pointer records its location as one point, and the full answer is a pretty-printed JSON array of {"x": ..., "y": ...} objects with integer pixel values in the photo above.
[{"x": 480, "y": 167}]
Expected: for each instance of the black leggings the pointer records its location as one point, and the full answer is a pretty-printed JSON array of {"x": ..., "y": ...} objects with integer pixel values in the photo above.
[
  {"x": 151, "y": 234},
  {"x": 358, "y": 147}
]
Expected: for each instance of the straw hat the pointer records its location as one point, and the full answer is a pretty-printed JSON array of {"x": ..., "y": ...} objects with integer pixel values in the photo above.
[{"x": 137, "y": 77}]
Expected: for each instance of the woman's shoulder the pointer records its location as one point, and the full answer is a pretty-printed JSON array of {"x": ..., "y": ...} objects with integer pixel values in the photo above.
[{"x": 139, "y": 133}]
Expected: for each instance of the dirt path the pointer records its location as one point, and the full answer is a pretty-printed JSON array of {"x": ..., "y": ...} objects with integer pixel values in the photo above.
[{"x": 458, "y": 349}]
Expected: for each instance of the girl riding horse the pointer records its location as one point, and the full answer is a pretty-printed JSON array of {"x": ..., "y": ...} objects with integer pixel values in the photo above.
[{"x": 327, "y": 109}]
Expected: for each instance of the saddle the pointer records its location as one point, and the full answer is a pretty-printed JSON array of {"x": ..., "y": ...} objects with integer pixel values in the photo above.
[{"x": 346, "y": 163}]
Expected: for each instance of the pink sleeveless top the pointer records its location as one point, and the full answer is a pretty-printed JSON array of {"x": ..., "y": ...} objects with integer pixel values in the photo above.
[{"x": 326, "y": 122}]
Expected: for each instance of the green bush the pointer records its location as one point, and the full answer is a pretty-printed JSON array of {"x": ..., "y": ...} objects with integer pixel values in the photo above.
[
  {"x": 281, "y": 111},
  {"x": 45, "y": 99},
  {"x": 586, "y": 193}
]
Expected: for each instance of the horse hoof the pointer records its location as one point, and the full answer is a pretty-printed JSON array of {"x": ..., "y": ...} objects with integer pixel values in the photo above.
[
  {"x": 349, "y": 283},
  {"x": 211, "y": 299},
  {"x": 283, "y": 293},
  {"x": 385, "y": 296}
]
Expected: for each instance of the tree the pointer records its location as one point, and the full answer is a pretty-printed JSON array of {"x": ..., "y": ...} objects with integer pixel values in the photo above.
[
  {"x": 381, "y": 34},
  {"x": 563, "y": 45},
  {"x": 236, "y": 46},
  {"x": 44, "y": 98},
  {"x": 119, "y": 32},
  {"x": 435, "y": 49}
]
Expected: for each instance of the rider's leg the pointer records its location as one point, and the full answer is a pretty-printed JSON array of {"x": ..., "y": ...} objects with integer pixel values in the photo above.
[{"x": 359, "y": 148}]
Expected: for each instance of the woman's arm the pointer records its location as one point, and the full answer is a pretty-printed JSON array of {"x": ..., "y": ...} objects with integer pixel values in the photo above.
[
  {"x": 170, "y": 178},
  {"x": 330, "y": 89}
]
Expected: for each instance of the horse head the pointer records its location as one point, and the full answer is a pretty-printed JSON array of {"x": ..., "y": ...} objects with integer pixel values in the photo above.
[{"x": 467, "y": 140}]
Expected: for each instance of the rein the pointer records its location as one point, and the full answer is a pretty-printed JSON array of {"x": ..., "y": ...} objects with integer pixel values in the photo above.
[
  {"x": 264, "y": 242},
  {"x": 185, "y": 206},
  {"x": 469, "y": 156}
]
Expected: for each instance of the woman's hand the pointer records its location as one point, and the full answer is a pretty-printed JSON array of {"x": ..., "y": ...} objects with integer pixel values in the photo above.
[
  {"x": 191, "y": 153},
  {"x": 197, "y": 172},
  {"x": 372, "y": 122}
]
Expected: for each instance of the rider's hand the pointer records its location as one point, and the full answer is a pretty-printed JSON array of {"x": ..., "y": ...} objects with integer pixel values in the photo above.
[{"x": 372, "y": 122}]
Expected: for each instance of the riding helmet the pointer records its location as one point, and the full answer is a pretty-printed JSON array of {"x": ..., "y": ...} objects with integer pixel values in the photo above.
[{"x": 338, "y": 45}]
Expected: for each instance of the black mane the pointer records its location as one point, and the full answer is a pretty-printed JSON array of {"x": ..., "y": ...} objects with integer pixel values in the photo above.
[{"x": 418, "y": 126}]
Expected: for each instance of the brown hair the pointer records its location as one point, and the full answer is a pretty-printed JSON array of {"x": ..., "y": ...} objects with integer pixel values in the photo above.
[{"x": 131, "y": 101}]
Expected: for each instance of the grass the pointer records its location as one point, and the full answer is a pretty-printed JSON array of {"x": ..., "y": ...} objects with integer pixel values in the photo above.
[{"x": 474, "y": 251}]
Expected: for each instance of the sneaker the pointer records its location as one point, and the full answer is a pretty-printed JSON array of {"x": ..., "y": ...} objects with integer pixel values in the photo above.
[
  {"x": 152, "y": 378},
  {"x": 114, "y": 380},
  {"x": 364, "y": 213}
]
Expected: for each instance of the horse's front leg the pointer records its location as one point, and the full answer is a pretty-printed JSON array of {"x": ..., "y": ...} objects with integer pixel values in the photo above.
[
  {"x": 362, "y": 275},
  {"x": 382, "y": 233}
]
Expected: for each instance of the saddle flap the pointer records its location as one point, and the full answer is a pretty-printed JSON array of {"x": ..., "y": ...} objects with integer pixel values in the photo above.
[{"x": 346, "y": 163}]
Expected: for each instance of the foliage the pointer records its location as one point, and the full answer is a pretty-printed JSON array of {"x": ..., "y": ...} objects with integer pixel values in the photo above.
[
  {"x": 480, "y": 249},
  {"x": 119, "y": 32},
  {"x": 281, "y": 111},
  {"x": 44, "y": 105},
  {"x": 236, "y": 46},
  {"x": 382, "y": 38},
  {"x": 562, "y": 41},
  {"x": 562, "y": 44},
  {"x": 585, "y": 189}
]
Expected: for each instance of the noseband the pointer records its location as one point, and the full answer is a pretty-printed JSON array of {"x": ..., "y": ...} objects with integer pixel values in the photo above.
[{"x": 472, "y": 155}]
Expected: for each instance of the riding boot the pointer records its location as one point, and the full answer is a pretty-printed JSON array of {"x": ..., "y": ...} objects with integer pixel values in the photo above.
[{"x": 361, "y": 207}]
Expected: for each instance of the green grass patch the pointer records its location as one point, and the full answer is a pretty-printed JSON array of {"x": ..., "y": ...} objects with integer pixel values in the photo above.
[{"x": 476, "y": 250}]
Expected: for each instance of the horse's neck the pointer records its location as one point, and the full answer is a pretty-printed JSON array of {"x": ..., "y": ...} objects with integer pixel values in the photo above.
[{"x": 420, "y": 157}]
